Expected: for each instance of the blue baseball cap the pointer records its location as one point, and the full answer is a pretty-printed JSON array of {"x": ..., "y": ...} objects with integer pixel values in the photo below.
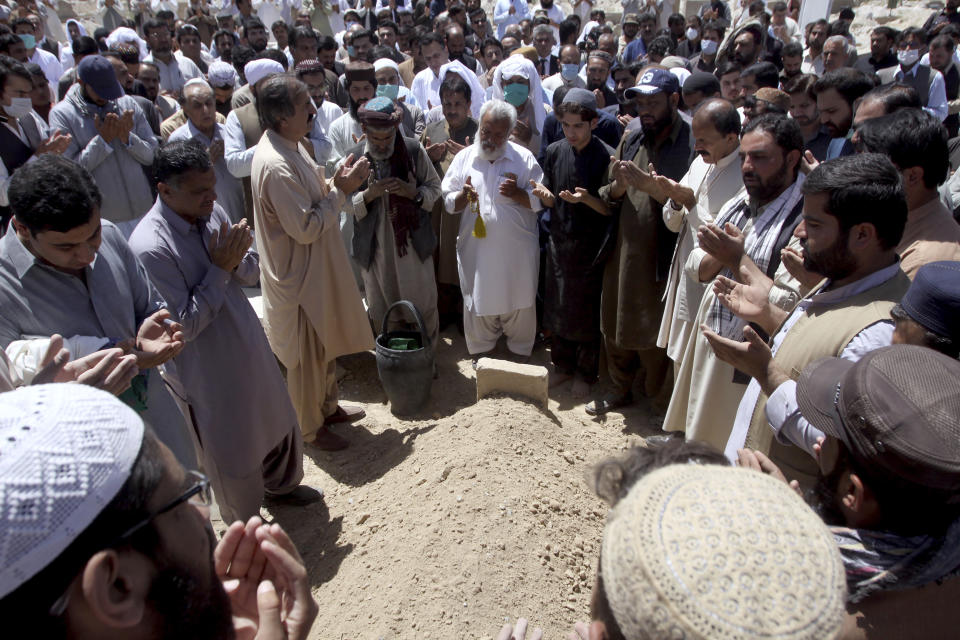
[
  {"x": 933, "y": 299},
  {"x": 654, "y": 81},
  {"x": 98, "y": 72}
]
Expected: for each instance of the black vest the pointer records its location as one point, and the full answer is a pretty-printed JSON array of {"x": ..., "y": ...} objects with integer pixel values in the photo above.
[
  {"x": 423, "y": 239},
  {"x": 14, "y": 153}
]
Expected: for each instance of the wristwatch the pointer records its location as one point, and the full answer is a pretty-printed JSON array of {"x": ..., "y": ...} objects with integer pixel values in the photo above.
[{"x": 419, "y": 199}]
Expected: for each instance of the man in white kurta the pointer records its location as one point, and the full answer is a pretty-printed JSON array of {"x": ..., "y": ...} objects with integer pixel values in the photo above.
[
  {"x": 498, "y": 272},
  {"x": 311, "y": 313},
  {"x": 713, "y": 179}
]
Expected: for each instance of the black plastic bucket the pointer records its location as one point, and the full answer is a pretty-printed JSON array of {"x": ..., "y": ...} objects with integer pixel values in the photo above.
[{"x": 406, "y": 375}]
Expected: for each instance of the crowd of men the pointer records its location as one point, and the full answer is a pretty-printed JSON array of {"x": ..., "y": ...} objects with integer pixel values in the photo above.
[{"x": 743, "y": 219}]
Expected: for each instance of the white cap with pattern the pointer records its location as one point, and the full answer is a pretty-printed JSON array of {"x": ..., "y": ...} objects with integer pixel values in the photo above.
[
  {"x": 65, "y": 452},
  {"x": 700, "y": 551}
]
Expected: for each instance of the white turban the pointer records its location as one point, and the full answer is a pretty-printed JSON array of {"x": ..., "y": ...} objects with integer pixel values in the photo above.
[
  {"x": 126, "y": 34},
  {"x": 477, "y": 92},
  {"x": 519, "y": 65},
  {"x": 257, "y": 70}
]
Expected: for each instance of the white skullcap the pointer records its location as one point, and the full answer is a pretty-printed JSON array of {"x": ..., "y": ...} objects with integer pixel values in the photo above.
[
  {"x": 221, "y": 74},
  {"x": 704, "y": 551},
  {"x": 257, "y": 70},
  {"x": 197, "y": 82},
  {"x": 383, "y": 63},
  {"x": 65, "y": 452}
]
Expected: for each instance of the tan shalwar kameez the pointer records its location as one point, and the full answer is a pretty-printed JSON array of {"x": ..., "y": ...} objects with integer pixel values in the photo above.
[{"x": 312, "y": 311}]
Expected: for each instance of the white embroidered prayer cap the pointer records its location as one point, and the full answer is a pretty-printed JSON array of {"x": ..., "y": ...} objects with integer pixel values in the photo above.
[
  {"x": 700, "y": 551},
  {"x": 65, "y": 452}
]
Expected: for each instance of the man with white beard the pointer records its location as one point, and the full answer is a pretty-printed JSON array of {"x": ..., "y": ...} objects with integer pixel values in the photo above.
[{"x": 491, "y": 182}]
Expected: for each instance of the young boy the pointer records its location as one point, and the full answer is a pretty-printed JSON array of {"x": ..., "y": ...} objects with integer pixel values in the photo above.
[{"x": 581, "y": 231}]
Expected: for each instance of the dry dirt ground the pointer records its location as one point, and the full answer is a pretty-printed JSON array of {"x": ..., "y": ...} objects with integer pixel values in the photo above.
[{"x": 450, "y": 522}]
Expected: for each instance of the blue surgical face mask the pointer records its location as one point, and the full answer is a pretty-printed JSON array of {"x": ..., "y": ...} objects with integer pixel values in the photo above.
[
  {"x": 516, "y": 93},
  {"x": 569, "y": 71},
  {"x": 351, "y": 51},
  {"x": 389, "y": 90},
  {"x": 709, "y": 47},
  {"x": 29, "y": 41}
]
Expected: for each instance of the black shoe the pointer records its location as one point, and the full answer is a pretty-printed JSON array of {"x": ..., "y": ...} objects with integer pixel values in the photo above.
[
  {"x": 611, "y": 402},
  {"x": 299, "y": 497}
]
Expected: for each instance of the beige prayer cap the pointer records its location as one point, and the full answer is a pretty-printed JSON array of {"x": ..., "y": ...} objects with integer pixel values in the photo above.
[{"x": 720, "y": 552}]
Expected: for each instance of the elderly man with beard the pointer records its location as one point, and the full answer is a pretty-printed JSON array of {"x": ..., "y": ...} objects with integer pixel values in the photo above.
[
  {"x": 443, "y": 140},
  {"x": 713, "y": 179},
  {"x": 498, "y": 246},
  {"x": 121, "y": 539},
  {"x": 311, "y": 313},
  {"x": 393, "y": 239},
  {"x": 749, "y": 233},
  {"x": 854, "y": 213},
  {"x": 635, "y": 275}
]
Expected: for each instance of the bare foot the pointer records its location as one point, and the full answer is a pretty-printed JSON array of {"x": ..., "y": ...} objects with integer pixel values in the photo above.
[
  {"x": 580, "y": 388},
  {"x": 557, "y": 379}
]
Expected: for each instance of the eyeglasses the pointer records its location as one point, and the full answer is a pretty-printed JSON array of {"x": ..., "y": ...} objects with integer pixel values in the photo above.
[{"x": 199, "y": 494}]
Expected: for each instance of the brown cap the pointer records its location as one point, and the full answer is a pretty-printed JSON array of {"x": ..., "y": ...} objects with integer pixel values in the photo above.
[
  {"x": 773, "y": 96},
  {"x": 360, "y": 71},
  {"x": 631, "y": 18},
  {"x": 895, "y": 410}
]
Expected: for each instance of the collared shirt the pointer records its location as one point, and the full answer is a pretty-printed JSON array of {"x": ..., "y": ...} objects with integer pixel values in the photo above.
[
  {"x": 498, "y": 273},
  {"x": 229, "y": 188},
  {"x": 237, "y": 395},
  {"x": 782, "y": 410},
  {"x": 425, "y": 89},
  {"x": 235, "y": 153},
  {"x": 174, "y": 75},
  {"x": 111, "y": 301},
  {"x": 936, "y": 98},
  {"x": 811, "y": 64}
]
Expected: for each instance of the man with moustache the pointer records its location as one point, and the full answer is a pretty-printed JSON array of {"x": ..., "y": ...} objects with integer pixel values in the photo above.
[
  {"x": 713, "y": 179},
  {"x": 854, "y": 213},
  {"x": 393, "y": 239},
  {"x": 749, "y": 233},
  {"x": 803, "y": 109},
  {"x": 312, "y": 313},
  {"x": 636, "y": 273},
  {"x": 836, "y": 92},
  {"x": 489, "y": 184}
]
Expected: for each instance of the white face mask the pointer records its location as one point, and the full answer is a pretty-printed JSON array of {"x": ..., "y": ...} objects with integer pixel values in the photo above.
[
  {"x": 908, "y": 57},
  {"x": 18, "y": 107},
  {"x": 709, "y": 47},
  {"x": 692, "y": 33}
]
